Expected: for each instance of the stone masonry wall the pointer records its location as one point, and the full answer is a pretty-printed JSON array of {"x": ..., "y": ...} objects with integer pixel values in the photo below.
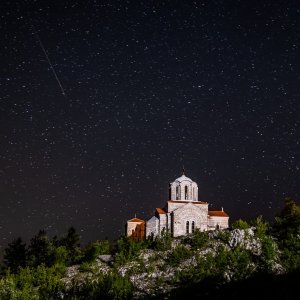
[{"x": 189, "y": 213}]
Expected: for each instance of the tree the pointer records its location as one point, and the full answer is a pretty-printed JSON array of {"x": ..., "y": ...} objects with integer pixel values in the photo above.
[
  {"x": 15, "y": 255},
  {"x": 40, "y": 250},
  {"x": 71, "y": 242},
  {"x": 287, "y": 231},
  {"x": 288, "y": 219}
]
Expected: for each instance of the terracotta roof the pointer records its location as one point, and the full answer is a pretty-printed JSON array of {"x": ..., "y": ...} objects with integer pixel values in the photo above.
[
  {"x": 217, "y": 213},
  {"x": 160, "y": 211},
  {"x": 136, "y": 220},
  {"x": 194, "y": 202}
]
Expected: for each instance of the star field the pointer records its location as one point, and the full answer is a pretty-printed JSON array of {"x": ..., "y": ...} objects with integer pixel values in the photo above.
[{"x": 149, "y": 86}]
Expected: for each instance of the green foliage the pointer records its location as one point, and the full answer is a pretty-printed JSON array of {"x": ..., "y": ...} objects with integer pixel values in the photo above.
[
  {"x": 205, "y": 268},
  {"x": 288, "y": 220},
  {"x": 86, "y": 267},
  {"x": 71, "y": 242},
  {"x": 128, "y": 249},
  {"x": 119, "y": 287},
  {"x": 268, "y": 251},
  {"x": 109, "y": 286},
  {"x": 234, "y": 263},
  {"x": 199, "y": 239},
  {"x": 60, "y": 255},
  {"x": 31, "y": 284},
  {"x": 15, "y": 255},
  {"x": 287, "y": 231},
  {"x": 8, "y": 289},
  {"x": 93, "y": 250},
  {"x": 39, "y": 277},
  {"x": 40, "y": 250},
  {"x": 239, "y": 263},
  {"x": 48, "y": 282},
  {"x": 240, "y": 224},
  {"x": 291, "y": 252},
  {"x": 179, "y": 254},
  {"x": 223, "y": 235},
  {"x": 163, "y": 242},
  {"x": 261, "y": 226}
]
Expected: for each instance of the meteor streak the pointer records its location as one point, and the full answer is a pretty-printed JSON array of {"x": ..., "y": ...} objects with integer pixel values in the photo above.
[{"x": 49, "y": 61}]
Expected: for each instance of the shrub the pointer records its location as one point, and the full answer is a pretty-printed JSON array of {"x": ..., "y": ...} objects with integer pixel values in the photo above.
[
  {"x": 48, "y": 282},
  {"x": 86, "y": 267},
  {"x": 93, "y": 250},
  {"x": 199, "y": 239},
  {"x": 261, "y": 226},
  {"x": 291, "y": 252},
  {"x": 109, "y": 286},
  {"x": 15, "y": 287},
  {"x": 8, "y": 289},
  {"x": 163, "y": 242},
  {"x": 240, "y": 224},
  {"x": 179, "y": 254},
  {"x": 240, "y": 264},
  {"x": 223, "y": 235},
  {"x": 268, "y": 251},
  {"x": 128, "y": 249}
]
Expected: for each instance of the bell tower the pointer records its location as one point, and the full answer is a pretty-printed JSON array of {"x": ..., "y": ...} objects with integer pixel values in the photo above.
[{"x": 183, "y": 189}]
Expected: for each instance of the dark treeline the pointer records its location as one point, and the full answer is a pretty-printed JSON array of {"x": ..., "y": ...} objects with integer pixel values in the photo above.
[
  {"x": 42, "y": 250},
  {"x": 38, "y": 270}
]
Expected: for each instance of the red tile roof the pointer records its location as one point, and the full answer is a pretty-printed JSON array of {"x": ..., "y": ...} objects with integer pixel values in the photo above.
[
  {"x": 160, "y": 211},
  {"x": 194, "y": 202},
  {"x": 137, "y": 220},
  {"x": 217, "y": 213}
]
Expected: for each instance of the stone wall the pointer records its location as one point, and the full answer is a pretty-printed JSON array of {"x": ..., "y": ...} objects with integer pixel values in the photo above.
[
  {"x": 218, "y": 222},
  {"x": 152, "y": 226},
  {"x": 189, "y": 213},
  {"x": 174, "y": 205},
  {"x": 163, "y": 223}
]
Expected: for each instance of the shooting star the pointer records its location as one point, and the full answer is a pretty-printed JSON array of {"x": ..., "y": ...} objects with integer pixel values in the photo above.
[{"x": 49, "y": 61}]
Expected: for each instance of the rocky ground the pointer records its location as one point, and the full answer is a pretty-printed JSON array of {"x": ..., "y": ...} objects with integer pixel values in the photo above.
[{"x": 152, "y": 274}]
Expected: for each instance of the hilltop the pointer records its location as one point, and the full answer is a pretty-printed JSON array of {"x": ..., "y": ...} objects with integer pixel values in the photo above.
[{"x": 247, "y": 260}]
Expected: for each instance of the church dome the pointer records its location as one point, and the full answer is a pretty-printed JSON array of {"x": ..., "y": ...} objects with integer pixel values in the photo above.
[{"x": 183, "y": 178}]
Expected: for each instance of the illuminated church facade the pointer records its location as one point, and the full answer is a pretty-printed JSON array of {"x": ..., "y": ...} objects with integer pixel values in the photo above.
[{"x": 182, "y": 214}]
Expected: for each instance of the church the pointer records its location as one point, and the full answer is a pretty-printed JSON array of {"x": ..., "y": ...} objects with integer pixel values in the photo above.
[{"x": 181, "y": 215}]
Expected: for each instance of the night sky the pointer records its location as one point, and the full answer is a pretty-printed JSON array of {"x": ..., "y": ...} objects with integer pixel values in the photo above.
[{"x": 133, "y": 91}]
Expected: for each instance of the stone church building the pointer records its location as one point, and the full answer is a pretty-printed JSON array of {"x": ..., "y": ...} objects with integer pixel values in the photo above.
[{"x": 181, "y": 215}]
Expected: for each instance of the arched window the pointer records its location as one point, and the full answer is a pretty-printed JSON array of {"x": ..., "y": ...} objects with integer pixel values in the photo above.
[
  {"x": 187, "y": 227},
  {"x": 186, "y": 192},
  {"x": 177, "y": 193},
  {"x": 193, "y": 226}
]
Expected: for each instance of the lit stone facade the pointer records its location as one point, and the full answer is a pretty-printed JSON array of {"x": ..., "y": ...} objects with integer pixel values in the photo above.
[{"x": 183, "y": 213}]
